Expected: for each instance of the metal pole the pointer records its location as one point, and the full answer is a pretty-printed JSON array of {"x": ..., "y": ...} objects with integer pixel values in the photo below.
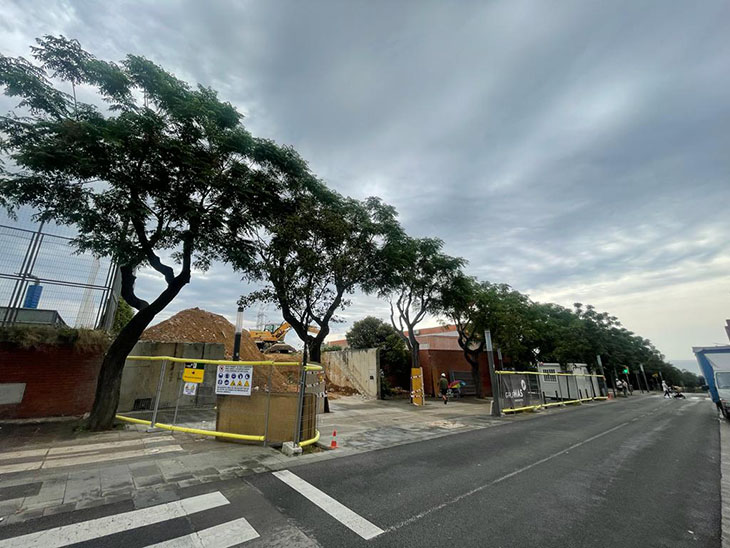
[
  {"x": 179, "y": 397},
  {"x": 268, "y": 405},
  {"x": 496, "y": 406},
  {"x": 237, "y": 337},
  {"x": 300, "y": 405},
  {"x": 163, "y": 367},
  {"x": 600, "y": 369},
  {"x": 560, "y": 387},
  {"x": 641, "y": 365}
]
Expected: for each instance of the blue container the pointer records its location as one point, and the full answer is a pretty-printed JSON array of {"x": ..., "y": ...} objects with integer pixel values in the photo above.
[{"x": 33, "y": 296}]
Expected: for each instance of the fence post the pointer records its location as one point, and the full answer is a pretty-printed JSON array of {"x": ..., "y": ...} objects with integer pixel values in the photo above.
[
  {"x": 268, "y": 405},
  {"x": 163, "y": 367},
  {"x": 300, "y": 403},
  {"x": 567, "y": 385},
  {"x": 179, "y": 396},
  {"x": 560, "y": 388}
]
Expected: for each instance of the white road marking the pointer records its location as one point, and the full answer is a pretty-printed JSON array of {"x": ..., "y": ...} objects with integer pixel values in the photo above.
[
  {"x": 70, "y": 449},
  {"x": 339, "y": 511},
  {"x": 86, "y": 459},
  {"x": 501, "y": 479},
  {"x": 221, "y": 536},
  {"x": 109, "y": 525}
]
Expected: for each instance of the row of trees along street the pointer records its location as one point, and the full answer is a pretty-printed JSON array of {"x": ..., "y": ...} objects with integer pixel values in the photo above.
[{"x": 157, "y": 174}]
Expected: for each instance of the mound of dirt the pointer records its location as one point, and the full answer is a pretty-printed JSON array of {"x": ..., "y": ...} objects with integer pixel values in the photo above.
[{"x": 196, "y": 325}]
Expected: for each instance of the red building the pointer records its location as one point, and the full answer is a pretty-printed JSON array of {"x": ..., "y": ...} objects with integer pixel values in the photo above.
[{"x": 439, "y": 352}]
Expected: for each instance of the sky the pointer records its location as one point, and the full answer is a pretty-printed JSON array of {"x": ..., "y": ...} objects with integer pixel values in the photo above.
[{"x": 577, "y": 150}]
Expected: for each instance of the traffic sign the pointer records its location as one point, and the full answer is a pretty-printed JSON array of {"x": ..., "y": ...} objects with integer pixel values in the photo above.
[{"x": 194, "y": 372}]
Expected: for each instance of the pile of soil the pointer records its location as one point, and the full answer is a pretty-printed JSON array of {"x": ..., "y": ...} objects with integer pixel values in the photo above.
[
  {"x": 196, "y": 325},
  {"x": 335, "y": 391}
]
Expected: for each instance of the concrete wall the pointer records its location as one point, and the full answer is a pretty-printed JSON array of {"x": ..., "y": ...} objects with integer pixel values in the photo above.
[
  {"x": 359, "y": 369},
  {"x": 140, "y": 378},
  {"x": 49, "y": 381}
]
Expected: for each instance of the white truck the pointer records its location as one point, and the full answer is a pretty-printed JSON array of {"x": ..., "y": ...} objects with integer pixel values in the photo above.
[{"x": 714, "y": 362}]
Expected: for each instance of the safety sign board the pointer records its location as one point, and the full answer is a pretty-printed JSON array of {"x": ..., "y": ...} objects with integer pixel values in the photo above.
[
  {"x": 234, "y": 380},
  {"x": 190, "y": 388},
  {"x": 194, "y": 372}
]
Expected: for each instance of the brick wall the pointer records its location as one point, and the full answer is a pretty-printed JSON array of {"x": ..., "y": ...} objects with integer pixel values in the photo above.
[
  {"x": 435, "y": 362},
  {"x": 58, "y": 381}
]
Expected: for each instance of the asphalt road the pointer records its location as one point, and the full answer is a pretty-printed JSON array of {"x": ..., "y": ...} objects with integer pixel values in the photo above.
[
  {"x": 642, "y": 472},
  {"x": 639, "y": 472}
]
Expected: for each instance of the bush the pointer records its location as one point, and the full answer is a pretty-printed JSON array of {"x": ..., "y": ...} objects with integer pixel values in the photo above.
[{"x": 31, "y": 336}]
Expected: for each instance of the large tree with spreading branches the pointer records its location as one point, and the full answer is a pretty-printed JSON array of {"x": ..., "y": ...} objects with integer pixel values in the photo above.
[
  {"x": 313, "y": 253},
  {"x": 152, "y": 172}
]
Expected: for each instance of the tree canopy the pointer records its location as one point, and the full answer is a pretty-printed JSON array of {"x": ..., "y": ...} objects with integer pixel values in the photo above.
[
  {"x": 160, "y": 177},
  {"x": 413, "y": 275},
  {"x": 314, "y": 253}
]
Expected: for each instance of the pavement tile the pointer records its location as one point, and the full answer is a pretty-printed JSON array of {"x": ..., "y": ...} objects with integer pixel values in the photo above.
[
  {"x": 23, "y": 515},
  {"x": 20, "y": 491},
  {"x": 8, "y": 507},
  {"x": 59, "y": 509},
  {"x": 151, "y": 497}
]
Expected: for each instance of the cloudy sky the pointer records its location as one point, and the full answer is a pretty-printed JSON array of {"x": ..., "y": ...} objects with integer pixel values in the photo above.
[{"x": 576, "y": 150}]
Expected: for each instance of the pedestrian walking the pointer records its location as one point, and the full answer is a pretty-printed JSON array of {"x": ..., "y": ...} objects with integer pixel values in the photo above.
[
  {"x": 444, "y": 388},
  {"x": 665, "y": 387}
]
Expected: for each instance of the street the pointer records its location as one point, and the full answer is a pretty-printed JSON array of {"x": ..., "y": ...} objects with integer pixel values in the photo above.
[{"x": 638, "y": 472}]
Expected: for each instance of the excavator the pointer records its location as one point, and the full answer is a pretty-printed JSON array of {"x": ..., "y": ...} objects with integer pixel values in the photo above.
[{"x": 271, "y": 337}]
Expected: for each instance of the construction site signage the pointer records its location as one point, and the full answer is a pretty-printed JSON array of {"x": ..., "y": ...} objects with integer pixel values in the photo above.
[
  {"x": 194, "y": 372},
  {"x": 234, "y": 380},
  {"x": 190, "y": 388},
  {"x": 516, "y": 391}
]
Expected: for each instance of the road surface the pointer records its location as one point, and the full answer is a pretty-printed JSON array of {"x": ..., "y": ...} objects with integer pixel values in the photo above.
[{"x": 641, "y": 472}]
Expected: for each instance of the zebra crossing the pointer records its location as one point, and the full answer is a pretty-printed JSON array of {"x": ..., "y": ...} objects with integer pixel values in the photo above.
[
  {"x": 224, "y": 535},
  {"x": 44, "y": 458}
]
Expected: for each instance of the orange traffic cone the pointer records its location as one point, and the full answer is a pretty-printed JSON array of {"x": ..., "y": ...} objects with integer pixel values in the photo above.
[{"x": 333, "y": 443}]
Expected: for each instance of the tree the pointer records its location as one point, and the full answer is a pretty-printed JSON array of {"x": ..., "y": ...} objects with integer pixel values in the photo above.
[
  {"x": 475, "y": 307},
  {"x": 122, "y": 316},
  {"x": 158, "y": 178},
  {"x": 371, "y": 332},
  {"x": 413, "y": 274},
  {"x": 315, "y": 252}
]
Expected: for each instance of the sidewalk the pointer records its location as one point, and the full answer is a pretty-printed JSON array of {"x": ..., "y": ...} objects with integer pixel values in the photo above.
[{"x": 49, "y": 468}]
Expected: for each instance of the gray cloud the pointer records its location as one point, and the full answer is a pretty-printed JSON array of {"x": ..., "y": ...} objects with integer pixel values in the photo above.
[{"x": 577, "y": 150}]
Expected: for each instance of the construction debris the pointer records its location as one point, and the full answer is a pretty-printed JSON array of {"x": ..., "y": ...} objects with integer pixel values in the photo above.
[{"x": 196, "y": 325}]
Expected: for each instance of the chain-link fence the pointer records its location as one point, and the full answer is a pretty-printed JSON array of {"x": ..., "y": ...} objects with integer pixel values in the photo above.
[
  {"x": 248, "y": 401},
  {"x": 523, "y": 390},
  {"x": 43, "y": 280}
]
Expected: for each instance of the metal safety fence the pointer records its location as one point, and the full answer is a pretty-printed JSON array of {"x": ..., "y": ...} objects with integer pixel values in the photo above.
[
  {"x": 44, "y": 280},
  {"x": 256, "y": 401},
  {"x": 529, "y": 390}
]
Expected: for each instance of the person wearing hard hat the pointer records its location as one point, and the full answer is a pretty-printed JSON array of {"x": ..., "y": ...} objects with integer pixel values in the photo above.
[{"x": 444, "y": 388}]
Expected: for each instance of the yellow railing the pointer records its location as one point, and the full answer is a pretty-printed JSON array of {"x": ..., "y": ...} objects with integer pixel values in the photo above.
[{"x": 312, "y": 366}]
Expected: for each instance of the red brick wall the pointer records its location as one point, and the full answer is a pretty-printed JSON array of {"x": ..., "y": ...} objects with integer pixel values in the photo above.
[
  {"x": 59, "y": 381},
  {"x": 435, "y": 362}
]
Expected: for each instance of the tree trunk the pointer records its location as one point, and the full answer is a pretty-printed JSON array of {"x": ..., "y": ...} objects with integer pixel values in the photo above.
[
  {"x": 106, "y": 399},
  {"x": 473, "y": 360}
]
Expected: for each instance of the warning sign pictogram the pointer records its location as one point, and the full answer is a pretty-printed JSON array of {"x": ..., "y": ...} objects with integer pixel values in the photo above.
[{"x": 230, "y": 380}]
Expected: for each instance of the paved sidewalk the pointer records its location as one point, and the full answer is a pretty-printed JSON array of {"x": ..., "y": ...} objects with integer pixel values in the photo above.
[{"x": 50, "y": 468}]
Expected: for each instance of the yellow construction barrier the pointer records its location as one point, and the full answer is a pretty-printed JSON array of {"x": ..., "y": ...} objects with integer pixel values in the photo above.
[{"x": 312, "y": 366}]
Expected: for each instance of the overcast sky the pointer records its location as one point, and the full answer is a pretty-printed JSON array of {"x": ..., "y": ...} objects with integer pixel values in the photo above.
[{"x": 579, "y": 151}]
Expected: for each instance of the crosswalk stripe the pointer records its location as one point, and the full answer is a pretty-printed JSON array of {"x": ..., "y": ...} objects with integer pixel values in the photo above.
[
  {"x": 224, "y": 535},
  {"x": 109, "y": 525},
  {"x": 86, "y": 459},
  {"x": 85, "y": 448},
  {"x": 337, "y": 510}
]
